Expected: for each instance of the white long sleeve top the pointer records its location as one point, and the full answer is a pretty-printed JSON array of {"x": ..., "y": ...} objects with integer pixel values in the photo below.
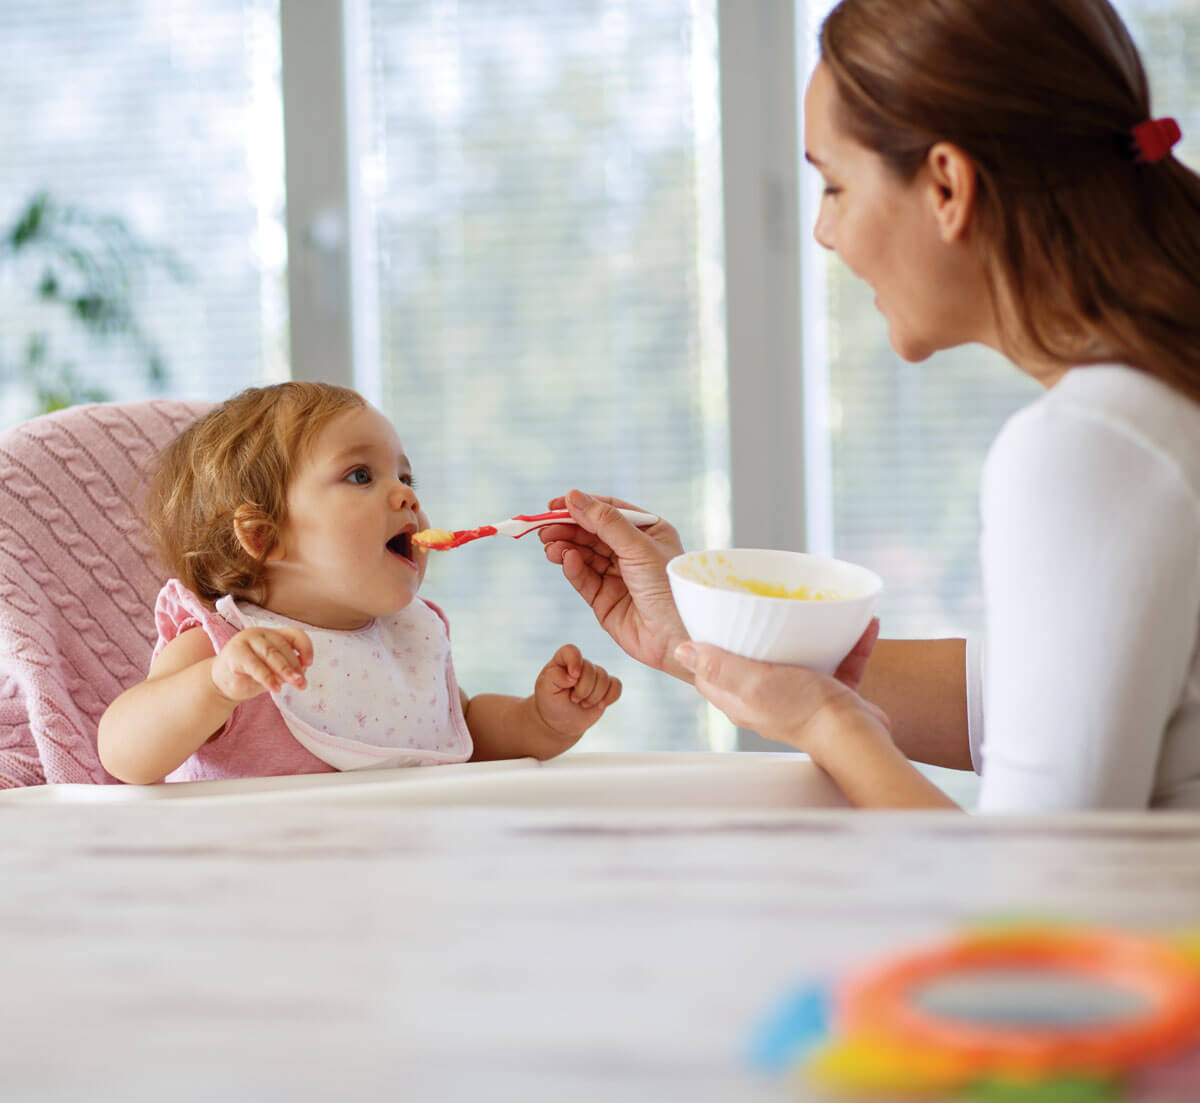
[{"x": 1086, "y": 691}]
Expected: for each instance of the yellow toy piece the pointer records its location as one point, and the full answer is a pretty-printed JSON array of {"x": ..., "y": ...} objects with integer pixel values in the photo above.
[{"x": 859, "y": 1066}]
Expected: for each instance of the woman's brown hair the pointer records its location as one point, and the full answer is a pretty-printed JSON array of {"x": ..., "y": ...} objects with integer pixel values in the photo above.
[
  {"x": 235, "y": 462},
  {"x": 1096, "y": 251}
]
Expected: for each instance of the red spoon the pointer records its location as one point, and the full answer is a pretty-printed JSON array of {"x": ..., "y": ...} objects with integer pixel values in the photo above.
[{"x": 444, "y": 540}]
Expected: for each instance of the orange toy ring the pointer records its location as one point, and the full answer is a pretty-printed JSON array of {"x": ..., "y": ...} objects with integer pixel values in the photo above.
[{"x": 878, "y": 1004}]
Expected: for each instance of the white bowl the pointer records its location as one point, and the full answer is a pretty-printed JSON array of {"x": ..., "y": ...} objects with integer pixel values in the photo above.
[{"x": 723, "y": 597}]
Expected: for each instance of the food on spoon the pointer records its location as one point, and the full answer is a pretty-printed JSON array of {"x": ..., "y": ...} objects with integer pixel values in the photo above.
[{"x": 433, "y": 538}]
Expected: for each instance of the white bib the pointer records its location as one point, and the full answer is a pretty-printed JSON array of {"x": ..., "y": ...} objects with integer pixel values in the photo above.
[{"x": 381, "y": 695}]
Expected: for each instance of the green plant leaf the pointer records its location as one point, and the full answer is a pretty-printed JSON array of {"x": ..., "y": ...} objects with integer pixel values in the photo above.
[
  {"x": 92, "y": 267},
  {"x": 30, "y": 221}
]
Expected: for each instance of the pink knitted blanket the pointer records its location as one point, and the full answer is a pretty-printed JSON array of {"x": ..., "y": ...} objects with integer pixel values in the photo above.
[{"x": 77, "y": 580}]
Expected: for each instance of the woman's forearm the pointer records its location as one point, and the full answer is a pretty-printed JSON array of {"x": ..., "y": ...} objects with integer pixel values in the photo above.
[
  {"x": 158, "y": 724},
  {"x": 857, "y": 752},
  {"x": 921, "y": 685}
]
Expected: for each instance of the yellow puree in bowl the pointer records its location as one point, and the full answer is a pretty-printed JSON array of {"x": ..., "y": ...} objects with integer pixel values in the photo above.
[
  {"x": 778, "y": 589},
  {"x": 755, "y": 586}
]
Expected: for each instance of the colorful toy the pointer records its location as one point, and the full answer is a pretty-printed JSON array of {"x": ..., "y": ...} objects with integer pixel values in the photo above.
[{"x": 878, "y": 1036}]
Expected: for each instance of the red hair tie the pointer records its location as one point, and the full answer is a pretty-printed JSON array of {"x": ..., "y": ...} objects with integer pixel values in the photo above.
[{"x": 1154, "y": 139}]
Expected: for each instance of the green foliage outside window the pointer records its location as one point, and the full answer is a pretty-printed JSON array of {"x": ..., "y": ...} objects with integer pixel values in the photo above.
[{"x": 84, "y": 269}]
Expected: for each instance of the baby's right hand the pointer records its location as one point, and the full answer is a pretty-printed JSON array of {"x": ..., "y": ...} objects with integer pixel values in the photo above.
[{"x": 260, "y": 660}]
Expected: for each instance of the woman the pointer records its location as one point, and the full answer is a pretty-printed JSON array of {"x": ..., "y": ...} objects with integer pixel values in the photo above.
[{"x": 993, "y": 171}]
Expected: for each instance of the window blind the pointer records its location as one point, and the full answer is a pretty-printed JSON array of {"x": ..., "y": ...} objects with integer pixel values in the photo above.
[
  {"x": 543, "y": 182},
  {"x": 165, "y": 115}
]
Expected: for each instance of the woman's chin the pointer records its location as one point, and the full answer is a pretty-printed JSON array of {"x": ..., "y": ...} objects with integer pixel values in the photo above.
[{"x": 909, "y": 348}]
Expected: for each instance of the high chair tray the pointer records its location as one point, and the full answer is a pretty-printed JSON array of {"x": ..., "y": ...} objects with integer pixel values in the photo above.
[{"x": 589, "y": 779}]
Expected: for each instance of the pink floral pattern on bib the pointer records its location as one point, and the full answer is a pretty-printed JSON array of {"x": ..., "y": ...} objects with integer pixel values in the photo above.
[{"x": 377, "y": 696}]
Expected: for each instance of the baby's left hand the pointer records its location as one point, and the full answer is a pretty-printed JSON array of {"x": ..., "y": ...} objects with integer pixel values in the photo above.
[{"x": 571, "y": 693}]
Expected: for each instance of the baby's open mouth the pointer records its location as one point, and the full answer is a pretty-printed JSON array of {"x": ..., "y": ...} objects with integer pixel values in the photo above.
[{"x": 401, "y": 544}]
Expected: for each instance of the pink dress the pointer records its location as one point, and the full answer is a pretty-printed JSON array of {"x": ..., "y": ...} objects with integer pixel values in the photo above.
[{"x": 255, "y": 741}]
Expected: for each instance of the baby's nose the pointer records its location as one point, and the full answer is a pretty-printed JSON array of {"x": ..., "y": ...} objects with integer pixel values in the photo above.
[{"x": 404, "y": 496}]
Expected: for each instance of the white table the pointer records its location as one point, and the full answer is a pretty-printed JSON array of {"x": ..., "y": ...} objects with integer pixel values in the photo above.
[{"x": 354, "y": 940}]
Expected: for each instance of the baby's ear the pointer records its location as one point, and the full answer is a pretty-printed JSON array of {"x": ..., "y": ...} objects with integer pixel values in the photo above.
[{"x": 256, "y": 532}]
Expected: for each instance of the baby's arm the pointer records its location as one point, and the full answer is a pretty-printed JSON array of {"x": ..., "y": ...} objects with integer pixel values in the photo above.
[
  {"x": 188, "y": 696},
  {"x": 569, "y": 696}
]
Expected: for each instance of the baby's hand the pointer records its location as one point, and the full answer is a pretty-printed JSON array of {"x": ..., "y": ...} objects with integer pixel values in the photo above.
[
  {"x": 258, "y": 660},
  {"x": 571, "y": 693}
]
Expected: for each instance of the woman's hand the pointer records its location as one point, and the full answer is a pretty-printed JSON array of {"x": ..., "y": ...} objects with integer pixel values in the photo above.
[
  {"x": 789, "y": 704},
  {"x": 846, "y": 736},
  {"x": 621, "y": 572}
]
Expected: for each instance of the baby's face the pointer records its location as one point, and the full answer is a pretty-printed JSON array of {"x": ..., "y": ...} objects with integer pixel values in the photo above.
[{"x": 345, "y": 553}]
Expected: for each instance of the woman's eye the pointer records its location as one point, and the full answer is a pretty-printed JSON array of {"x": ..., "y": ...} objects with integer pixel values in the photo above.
[
  {"x": 830, "y": 190},
  {"x": 360, "y": 476}
]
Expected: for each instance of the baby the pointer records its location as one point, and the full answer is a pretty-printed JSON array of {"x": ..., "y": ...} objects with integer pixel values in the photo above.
[{"x": 291, "y": 638}]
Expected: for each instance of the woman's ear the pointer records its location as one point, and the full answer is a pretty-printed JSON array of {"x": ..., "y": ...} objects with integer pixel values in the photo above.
[
  {"x": 256, "y": 533},
  {"x": 953, "y": 188}
]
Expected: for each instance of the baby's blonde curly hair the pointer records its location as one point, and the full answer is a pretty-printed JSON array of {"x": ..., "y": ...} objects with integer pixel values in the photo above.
[{"x": 235, "y": 463}]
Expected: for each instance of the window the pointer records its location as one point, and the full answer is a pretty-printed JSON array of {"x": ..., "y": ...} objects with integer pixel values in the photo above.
[
  {"x": 543, "y": 188},
  {"x": 167, "y": 117}
]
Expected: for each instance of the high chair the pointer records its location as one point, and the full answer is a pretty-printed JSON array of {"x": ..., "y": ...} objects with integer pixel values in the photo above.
[{"x": 77, "y": 580}]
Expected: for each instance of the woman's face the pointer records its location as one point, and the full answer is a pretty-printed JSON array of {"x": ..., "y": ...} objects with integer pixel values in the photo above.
[{"x": 892, "y": 234}]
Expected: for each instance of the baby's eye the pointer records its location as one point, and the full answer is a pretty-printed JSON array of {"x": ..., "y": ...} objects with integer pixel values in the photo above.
[
  {"x": 408, "y": 479},
  {"x": 830, "y": 190},
  {"x": 360, "y": 476}
]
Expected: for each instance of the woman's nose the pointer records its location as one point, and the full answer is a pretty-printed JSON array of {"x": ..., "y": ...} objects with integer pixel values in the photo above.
[{"x": 822, "y": 232}]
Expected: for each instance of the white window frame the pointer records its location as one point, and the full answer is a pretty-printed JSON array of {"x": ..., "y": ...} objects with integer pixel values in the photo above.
[
  {"x": 333, "y": 316},
  {"x": 760, "y": 179}
]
